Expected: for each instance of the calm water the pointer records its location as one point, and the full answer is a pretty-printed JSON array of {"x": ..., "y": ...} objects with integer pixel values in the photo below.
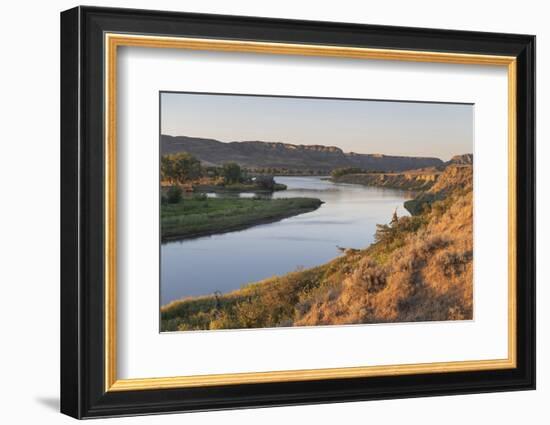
[{"x": 225, "y": 262}]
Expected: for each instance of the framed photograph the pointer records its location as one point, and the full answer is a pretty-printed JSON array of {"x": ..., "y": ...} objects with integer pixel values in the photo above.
[{"x": 261, "y": 212}]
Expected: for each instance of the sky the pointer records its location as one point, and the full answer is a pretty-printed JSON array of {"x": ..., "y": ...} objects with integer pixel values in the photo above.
[{"x": 361, "y": 126}]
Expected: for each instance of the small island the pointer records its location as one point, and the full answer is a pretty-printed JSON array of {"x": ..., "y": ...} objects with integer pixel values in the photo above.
[
  {"x": 188, "y": 212},
  {"x": 202, "y": 216}
]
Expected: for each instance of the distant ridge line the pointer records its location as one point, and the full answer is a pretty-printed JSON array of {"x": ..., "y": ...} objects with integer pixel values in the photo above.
[{"x": 259, "y": 154}]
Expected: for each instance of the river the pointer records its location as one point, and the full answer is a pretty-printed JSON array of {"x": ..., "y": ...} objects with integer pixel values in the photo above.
[{"x": 225, "y": 262}]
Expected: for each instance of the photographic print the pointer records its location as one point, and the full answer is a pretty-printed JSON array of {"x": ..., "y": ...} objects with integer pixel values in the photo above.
[{"x": 292, "y": 211}]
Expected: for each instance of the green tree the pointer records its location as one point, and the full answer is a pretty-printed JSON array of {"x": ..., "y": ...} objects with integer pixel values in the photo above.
[
  {"x": 231, "y": 172},
  {"x": 385, "y": 232},
  {"x": 180, "y": 167},
  {"x": 394, "y": 219},
  {"x": 167, "y": 171},
  {"x": 265, "y": 182}
]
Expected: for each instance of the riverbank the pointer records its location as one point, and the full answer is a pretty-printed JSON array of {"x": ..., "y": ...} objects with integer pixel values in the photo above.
[
  {"x": 418, "y": 269},
  {"x": 237, "y": 188},
  {"x": 416, "y": 180},
  {"x": 202, "y": 216}
]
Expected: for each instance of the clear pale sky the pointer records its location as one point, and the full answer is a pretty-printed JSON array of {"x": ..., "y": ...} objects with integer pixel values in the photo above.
[{"x": 361, "y": 126}]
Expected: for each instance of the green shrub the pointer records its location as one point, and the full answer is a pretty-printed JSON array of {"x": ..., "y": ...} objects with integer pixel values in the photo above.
[
  {"x": 231, "y": 172},
  {"x": 339, "y": 172},
  {"x": 173, "y": 194}
]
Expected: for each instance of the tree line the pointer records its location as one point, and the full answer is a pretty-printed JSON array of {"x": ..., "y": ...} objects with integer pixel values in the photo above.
[{"x": 182, "y": 167}]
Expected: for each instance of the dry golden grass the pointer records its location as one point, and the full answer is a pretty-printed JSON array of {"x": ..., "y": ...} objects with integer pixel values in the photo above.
[{"x": 429, "y": 277}]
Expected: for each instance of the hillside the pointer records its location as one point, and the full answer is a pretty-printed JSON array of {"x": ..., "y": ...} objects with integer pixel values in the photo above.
[
  {"x": 407, "y": 180},
  {"x": 419, "y": 269},
  {"x": 465, "y": 159},
  {"x": 455, "y": 178},
  {"x": 257, "y": 154}
]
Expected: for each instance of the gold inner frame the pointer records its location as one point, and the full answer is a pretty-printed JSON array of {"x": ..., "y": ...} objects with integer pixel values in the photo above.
[{"x": 113, "y": 41}]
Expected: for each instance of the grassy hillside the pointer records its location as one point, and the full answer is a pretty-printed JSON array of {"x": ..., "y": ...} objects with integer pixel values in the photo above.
[
  {"x": 419, "y": 269},
  {"x": 200, "y": 216}
]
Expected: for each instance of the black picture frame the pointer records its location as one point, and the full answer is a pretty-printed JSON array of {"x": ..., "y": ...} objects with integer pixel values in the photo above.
[{"x": 83, "y": 392}]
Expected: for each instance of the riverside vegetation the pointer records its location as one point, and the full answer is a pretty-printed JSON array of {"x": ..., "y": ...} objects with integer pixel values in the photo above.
[
  {"x": 418, "y": 269},
  {"x": 193, "y": 213},
  {"x": 199, "y": 216}
]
